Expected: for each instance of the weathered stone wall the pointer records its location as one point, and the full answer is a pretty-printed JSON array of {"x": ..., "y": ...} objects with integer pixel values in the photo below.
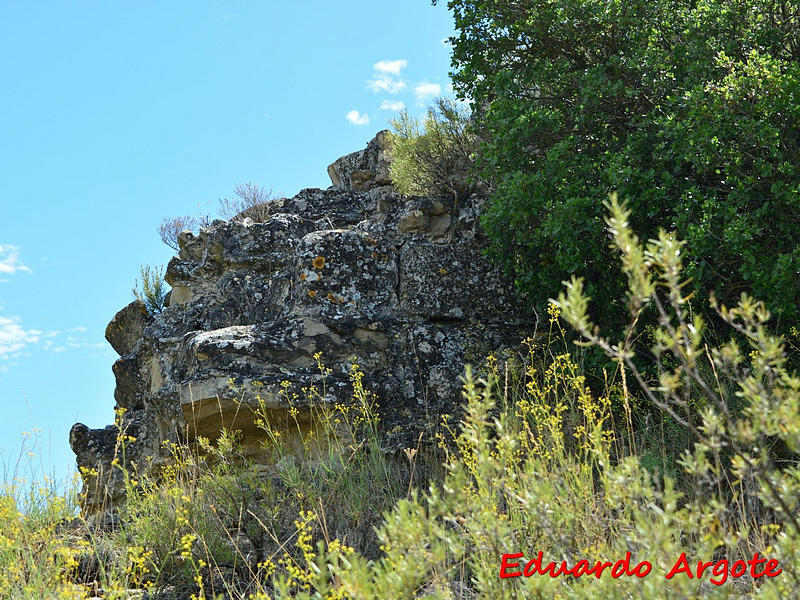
[{"x": 352, "y": 271}]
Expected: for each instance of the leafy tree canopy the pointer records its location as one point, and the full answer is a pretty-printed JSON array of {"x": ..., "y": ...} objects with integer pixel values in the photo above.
[{"x": 690, "y": 109}]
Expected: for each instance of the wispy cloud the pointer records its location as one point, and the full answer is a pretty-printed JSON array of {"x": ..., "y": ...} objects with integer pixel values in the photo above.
[
  {"x": 390, "y": 66},
  {"x": 17, "y": 341},
  {"x": 356, "y": 118},
  {"x": 427, "y": 90},
  {"x": 14, "y": 338},
  {"x": 9, "y": 260},
  {"x": 391, "y": 105},
  {"x": 387, "y": 76},
  {"x": 386, "y": 83}
]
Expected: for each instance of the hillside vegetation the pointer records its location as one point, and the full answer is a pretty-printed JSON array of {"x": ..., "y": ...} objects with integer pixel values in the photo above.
[{"x": 539, "y": 463}]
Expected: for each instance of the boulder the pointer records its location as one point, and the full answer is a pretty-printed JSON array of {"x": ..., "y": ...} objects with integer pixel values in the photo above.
[
  {"x": 127, "y": 327},
  {"x": 365, "y": 169}
]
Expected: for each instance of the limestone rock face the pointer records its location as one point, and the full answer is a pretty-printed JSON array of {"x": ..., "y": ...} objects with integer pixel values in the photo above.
[
  {"x": 365, "y": 169},
  {"x": 354, "y": 271}
]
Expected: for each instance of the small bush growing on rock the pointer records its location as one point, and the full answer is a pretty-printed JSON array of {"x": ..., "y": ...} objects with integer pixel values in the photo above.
[
  {"x": 250, "y": 200},
  {"x": 151, "y": 291},
  {"x": 171, "y": 228},
  {"x": 434, "y": 159}
]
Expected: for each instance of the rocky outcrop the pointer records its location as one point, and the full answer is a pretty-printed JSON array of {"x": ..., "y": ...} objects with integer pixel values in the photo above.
[
  {"x": 365, "y": 169},
  {"x": 352, "y": 272}
]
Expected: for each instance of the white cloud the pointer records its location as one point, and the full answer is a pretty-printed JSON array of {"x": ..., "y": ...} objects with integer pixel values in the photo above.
[
  {"x": 356, "y": 118},
  {"x": 13, "y": 337},
  {"x": 9, "y": 260},
  {"x": 15, "y": 340},
  {"x": 385, "y": 83},
  {"x": 387, "y": 76},
  {"x": 427, "y": 90},
  {"x": 391, "y": 105},
  {"x": 391, "y": 66}
]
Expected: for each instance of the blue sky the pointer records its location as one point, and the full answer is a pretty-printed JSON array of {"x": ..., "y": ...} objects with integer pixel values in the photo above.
[{"x": 114, "y": 115}]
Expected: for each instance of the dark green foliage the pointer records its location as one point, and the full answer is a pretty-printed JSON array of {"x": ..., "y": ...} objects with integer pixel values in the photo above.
[{"x": 689, "y": 109}]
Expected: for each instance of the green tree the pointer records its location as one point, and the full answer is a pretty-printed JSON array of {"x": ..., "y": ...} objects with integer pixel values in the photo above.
[
  {"x": 689, "y": 109},
  {"x": 437, "y": 157}
]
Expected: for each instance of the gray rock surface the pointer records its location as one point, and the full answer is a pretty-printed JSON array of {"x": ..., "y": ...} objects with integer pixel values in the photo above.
[
  {"x": 354, "y": 271},
  {"x": 365, "y": 169}
]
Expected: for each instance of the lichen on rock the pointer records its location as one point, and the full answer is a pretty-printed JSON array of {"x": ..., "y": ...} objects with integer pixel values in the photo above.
[{"x": 353, "y": 272}]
